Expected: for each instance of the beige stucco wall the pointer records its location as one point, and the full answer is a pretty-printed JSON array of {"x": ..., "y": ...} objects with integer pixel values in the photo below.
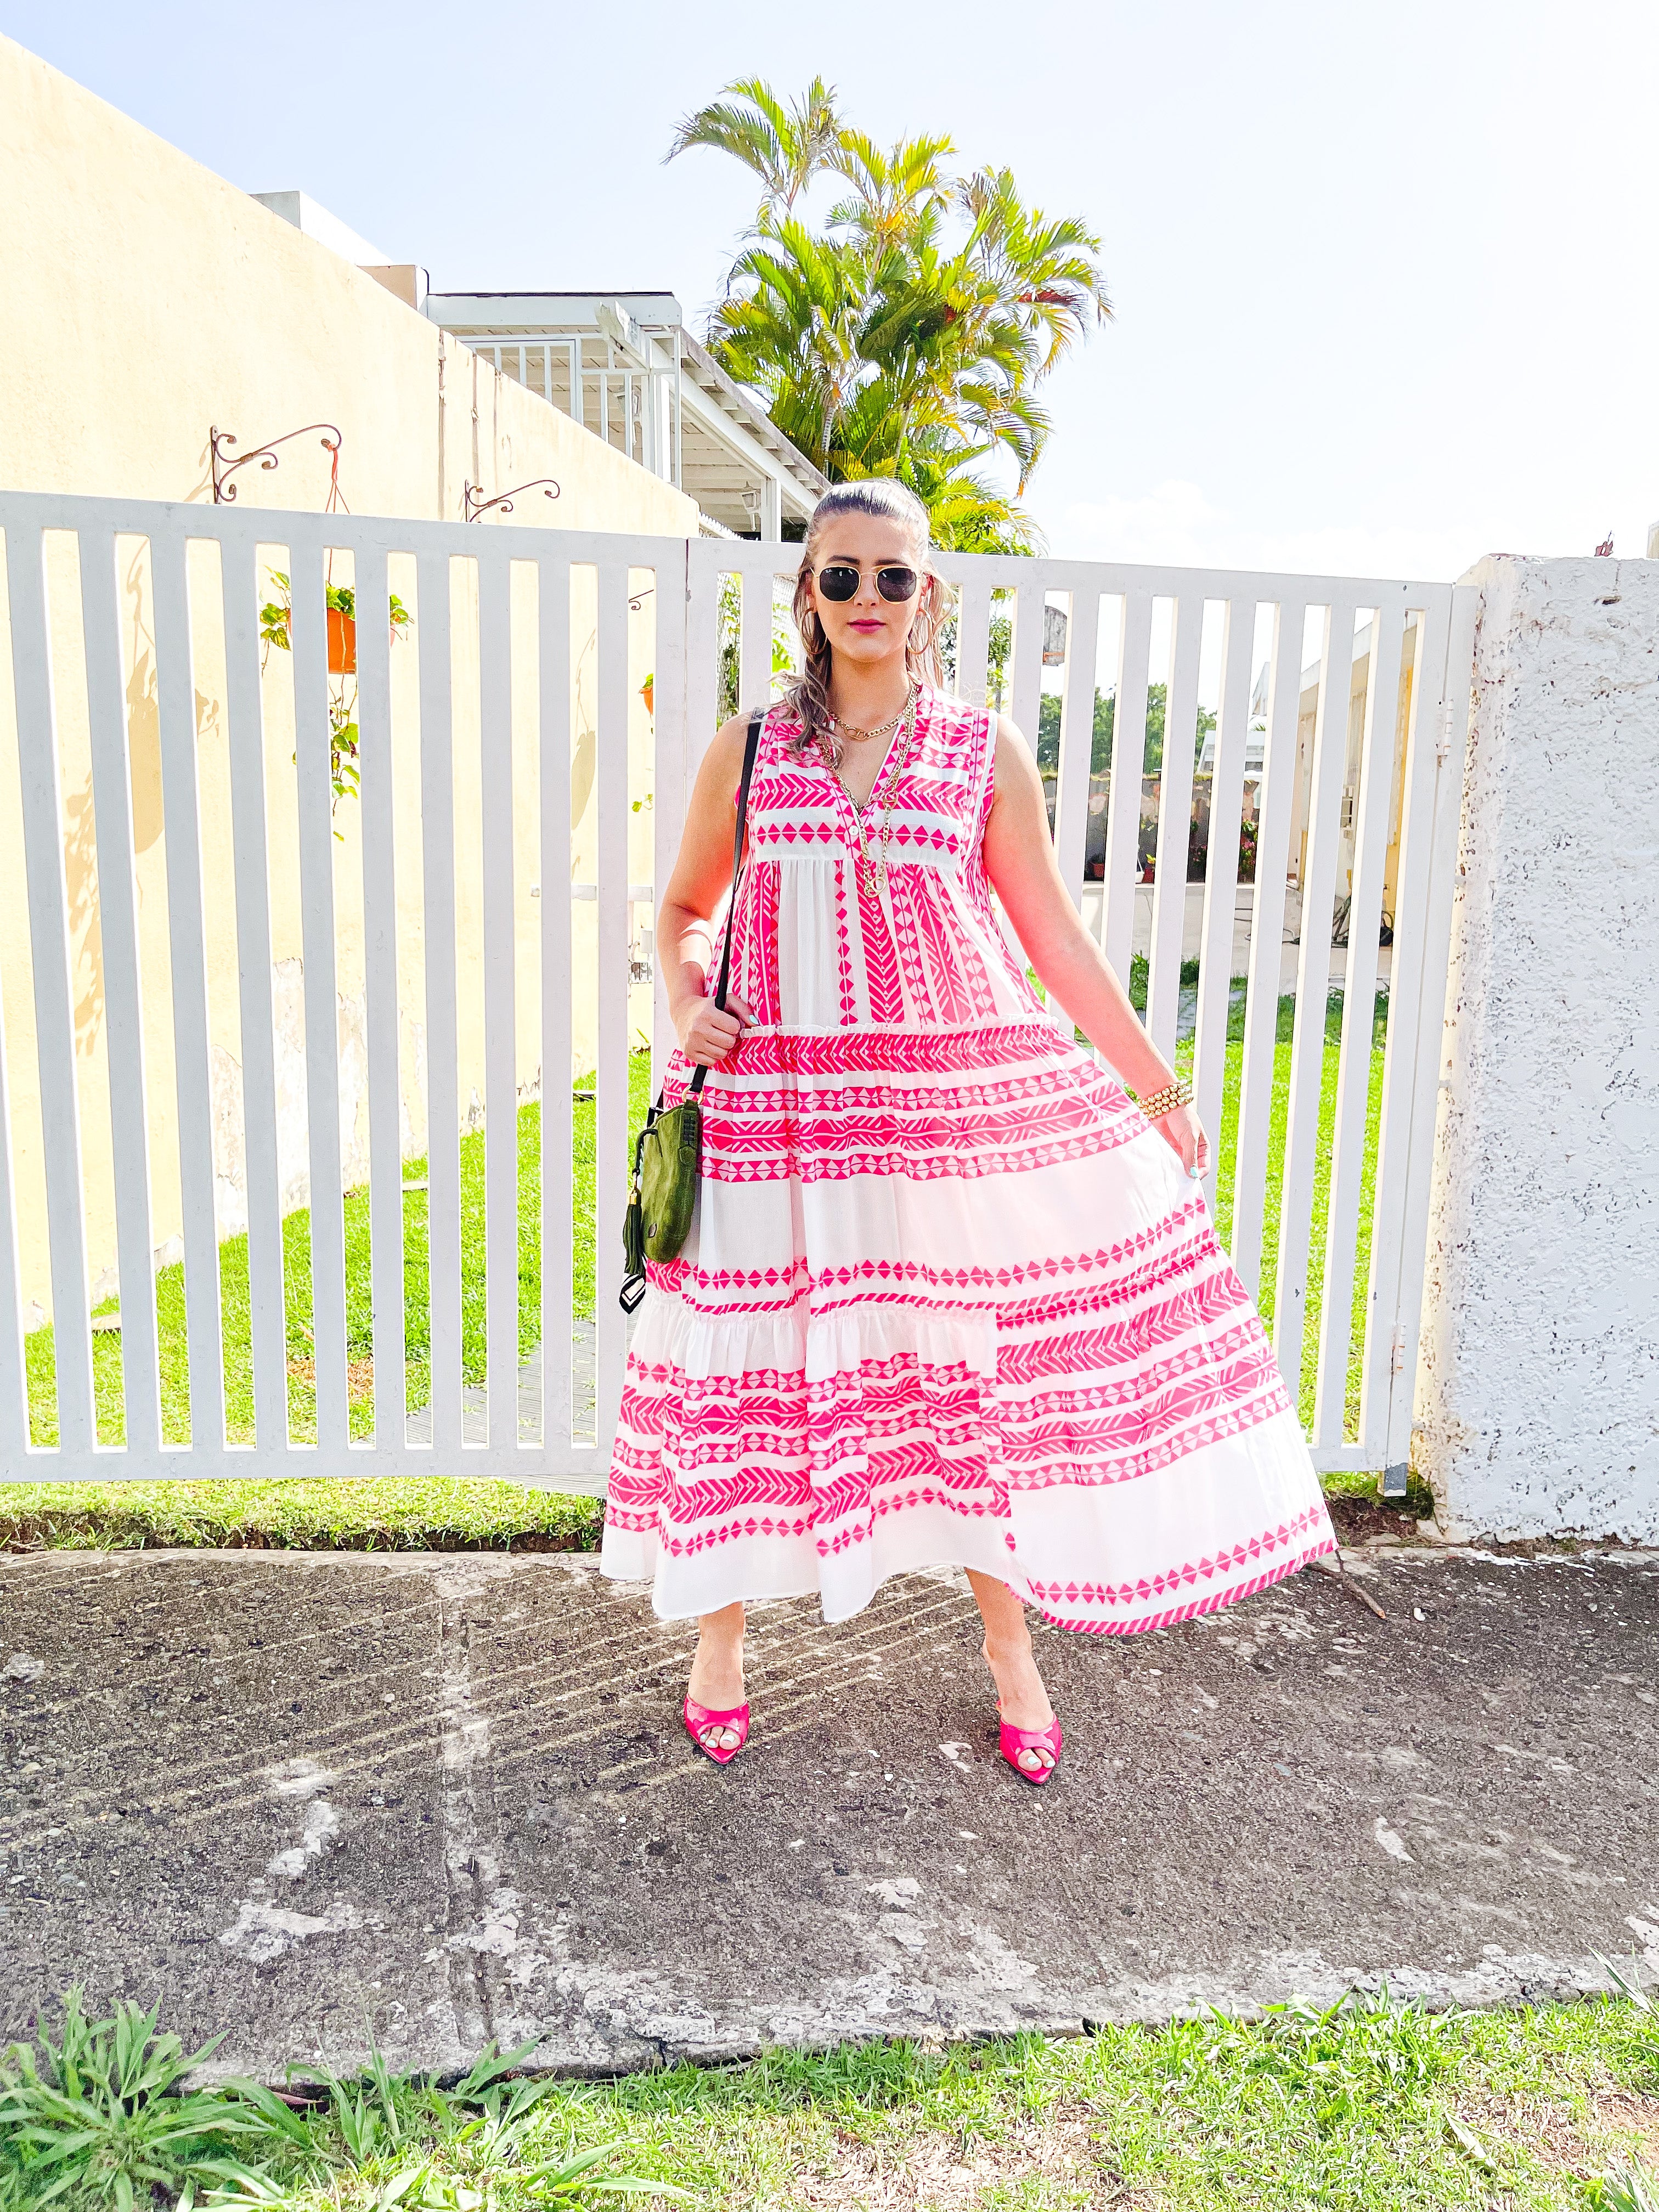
[
  {"x": 146, "y": 300},
  {"x": 143, "y": 299}
]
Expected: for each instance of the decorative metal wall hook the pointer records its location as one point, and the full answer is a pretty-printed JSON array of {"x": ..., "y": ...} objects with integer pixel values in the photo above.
[
  {"x": 472, "y": 507},
  {"x": 224, "y": 464}
]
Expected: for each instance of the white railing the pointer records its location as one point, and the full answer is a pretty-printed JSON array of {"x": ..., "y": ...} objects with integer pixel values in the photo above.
[
  {"x": 442, "y": 979},
  {"x": 633, "y": 407}
]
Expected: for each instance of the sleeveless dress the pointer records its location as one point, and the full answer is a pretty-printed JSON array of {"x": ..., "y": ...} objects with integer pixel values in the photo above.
[{"x": 948, "y": 1297}]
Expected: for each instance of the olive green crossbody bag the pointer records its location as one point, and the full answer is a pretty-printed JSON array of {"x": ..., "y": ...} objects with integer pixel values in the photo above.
[{"x": 668, "y": 1151}]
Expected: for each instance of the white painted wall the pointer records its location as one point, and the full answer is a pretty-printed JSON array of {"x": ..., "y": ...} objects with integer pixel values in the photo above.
[{"x": 1538, "y": 1399}]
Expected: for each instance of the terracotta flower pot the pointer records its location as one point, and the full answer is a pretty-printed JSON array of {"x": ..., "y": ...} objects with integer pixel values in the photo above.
[{"x": 342, "y": 643}]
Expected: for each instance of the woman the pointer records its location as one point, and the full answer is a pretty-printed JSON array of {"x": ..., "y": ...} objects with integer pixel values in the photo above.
[{"x": 950, "y": 1297}]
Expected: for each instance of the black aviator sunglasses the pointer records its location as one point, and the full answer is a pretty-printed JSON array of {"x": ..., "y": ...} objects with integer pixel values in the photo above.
[{"x": 838, "y": 580}]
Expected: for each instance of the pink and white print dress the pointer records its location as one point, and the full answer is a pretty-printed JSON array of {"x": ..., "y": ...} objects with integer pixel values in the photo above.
[{"x": 947, "y": 1298}]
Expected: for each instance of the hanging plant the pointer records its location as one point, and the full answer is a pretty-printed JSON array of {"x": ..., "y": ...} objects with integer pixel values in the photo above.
[
  {"x": 277, "y": 627},
  {"x": 276, "y": 619}
]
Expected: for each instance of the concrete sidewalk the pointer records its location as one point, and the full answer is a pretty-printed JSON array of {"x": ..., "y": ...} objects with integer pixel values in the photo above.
[{"x": 436, "y": 1799}]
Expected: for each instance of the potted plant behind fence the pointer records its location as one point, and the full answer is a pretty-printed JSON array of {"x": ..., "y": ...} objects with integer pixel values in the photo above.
[{"x": 277, "y": 627}]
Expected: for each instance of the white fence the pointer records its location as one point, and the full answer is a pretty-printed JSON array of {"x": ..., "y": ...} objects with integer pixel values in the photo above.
[{"x": 412, "y": 904}]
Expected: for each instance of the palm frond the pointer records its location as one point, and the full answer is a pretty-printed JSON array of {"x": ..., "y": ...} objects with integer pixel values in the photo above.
[{"x": 909, "y": 332}]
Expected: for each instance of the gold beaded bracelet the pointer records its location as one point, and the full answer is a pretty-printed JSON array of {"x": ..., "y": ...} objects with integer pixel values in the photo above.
[{"x": 1178, "y": 1093}]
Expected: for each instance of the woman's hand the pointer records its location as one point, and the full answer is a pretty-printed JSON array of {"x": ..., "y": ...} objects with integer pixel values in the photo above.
[
  {"x": 1183, "y": 1133},
  {"x": 705, "y": 1034}
]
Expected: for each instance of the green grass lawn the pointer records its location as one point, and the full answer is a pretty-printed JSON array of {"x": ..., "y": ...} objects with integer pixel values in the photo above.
[
  {"x": 1373, "y": 2106},
  {"x": 1227, "y": 1139},
  {"x": 235, "y": 1323},
  {"x": 296, "y": 1261},
  {"x": 372, "y": 1514}
]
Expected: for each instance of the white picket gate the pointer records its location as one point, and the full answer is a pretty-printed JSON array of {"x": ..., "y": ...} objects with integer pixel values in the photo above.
[{"x": 410, "y": 902}]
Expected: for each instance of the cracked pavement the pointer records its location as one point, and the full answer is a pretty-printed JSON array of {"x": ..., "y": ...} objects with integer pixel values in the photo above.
[{"x": 428, "y": 1800}]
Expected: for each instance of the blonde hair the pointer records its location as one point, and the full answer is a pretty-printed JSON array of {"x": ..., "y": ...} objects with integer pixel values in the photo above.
[{"x": 807, "y": 698}]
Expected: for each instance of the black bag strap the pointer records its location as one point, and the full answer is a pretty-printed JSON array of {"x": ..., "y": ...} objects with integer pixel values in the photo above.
[{"x": 755, "y": 720}]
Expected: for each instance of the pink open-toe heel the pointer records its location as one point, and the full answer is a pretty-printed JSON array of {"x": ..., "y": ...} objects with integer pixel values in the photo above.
[
  {"x": 1011, "y": 1741},
  {"x": 700, "y": 1718}
]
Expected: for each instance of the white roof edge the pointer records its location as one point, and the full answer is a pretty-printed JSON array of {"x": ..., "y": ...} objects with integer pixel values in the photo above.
[
  {"x": 308, "y": 215},
  {"x": 646, "y": 308},
  {"x": 498, "y": 312}
]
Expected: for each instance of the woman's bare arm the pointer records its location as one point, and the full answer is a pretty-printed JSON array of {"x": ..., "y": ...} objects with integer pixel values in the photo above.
[
  {"x": 701, "y": 876},
  {"x": 1019, "y": 859}
]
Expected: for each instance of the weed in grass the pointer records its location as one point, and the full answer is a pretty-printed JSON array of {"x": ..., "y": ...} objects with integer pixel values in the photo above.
[
  {"x": 97, "y": 2116},
  {"x": 100, "y": 2117},
  {"x": 1626, "y": 2189},
  {"x": 1352, "y": 2059},
  {"x": 1644, "y": 2022}
]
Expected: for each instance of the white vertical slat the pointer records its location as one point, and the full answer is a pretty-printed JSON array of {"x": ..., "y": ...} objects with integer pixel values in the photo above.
[
  {"x": 553, "y": 633},
  {"x": 500, "y": 1002},
  {"x": 703, "y": 562},
  {"x": 43, "y": 867},
  {"x": 1312, "y": 985},
  {"x": 1175, "y": 814},
  {"x": 313, "y": 776},
  {"x": 1278, "y": 802},
  {"x": 1117, "y": 887},
  {"x": 245, "y": 719},
  {"x": 973, "y": 638},
  {"x": 117, "y": 927},
  {"x": 443, "y": 1114},
  {"x": 1425, "y": 747},
  {"x": 755, "y": 654},
  {"x": 610, "y": 1088},
  {"x": 385, "y": 1166},
  {"x": 576, "y": 402},
  {"x": 176, "y": 705},
  {"x": 1358, "y": 997},
  {"x": 1026, "y": 690},
  {"x": 1077, "y": 738},
  {"x": 670, "y": 782},
  {"x": 14, "y": 1383},
  {"x": 1421, "y": 957},
  {"x": 1215, "y": 957}
]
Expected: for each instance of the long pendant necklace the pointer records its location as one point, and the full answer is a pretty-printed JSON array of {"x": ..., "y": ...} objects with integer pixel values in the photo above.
[{"x": 873, "y": 869}]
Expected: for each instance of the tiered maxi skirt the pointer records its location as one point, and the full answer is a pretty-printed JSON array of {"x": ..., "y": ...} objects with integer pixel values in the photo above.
[{"x": 1046, "y": 1371}]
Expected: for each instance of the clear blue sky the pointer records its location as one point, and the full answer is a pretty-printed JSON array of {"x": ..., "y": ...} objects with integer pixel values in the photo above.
[{"x": 1386, "y": 277}]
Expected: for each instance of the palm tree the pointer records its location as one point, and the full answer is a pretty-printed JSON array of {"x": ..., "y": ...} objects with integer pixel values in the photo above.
[
  {"x": 892, "y": 193},
  {"x": 786, "y": 147},
  {"x": 906, "y": 334}
]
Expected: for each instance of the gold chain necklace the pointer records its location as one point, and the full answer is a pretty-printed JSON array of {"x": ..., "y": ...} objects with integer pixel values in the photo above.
[
  {"x": 877, "y": 869},
  {"x": 852, "y": 730}
]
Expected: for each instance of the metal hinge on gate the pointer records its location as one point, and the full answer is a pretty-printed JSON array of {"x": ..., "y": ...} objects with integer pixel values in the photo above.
[
  {"x": 1448, "y": 725},
  {"x": 1397, "y": 1352}
]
